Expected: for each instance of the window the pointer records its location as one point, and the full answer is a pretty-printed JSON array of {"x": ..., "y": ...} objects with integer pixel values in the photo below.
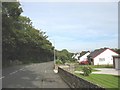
[{"x": 101, "y": 59}]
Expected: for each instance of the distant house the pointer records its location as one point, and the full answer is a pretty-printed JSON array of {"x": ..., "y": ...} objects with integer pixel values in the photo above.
[
  {"x": 84, "y": 57},
  {"x": 76, "y": 56},
  {"x": 102, "y": 57}
]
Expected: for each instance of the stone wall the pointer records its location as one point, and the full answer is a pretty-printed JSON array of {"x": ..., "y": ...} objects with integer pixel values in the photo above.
[{"x": 77, "y": 82}]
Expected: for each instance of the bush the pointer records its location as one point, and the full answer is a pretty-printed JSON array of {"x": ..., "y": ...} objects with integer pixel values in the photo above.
[
  {"x": 87, "y": 70},
  {"x": 59, "y": 62}
]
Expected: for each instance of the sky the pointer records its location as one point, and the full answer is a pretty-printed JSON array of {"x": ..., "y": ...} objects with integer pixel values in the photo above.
[{"x": 76, "y": 26}]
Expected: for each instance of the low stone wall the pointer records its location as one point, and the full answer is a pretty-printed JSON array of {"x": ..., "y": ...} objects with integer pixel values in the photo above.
[{"x": 77, "y": 82}]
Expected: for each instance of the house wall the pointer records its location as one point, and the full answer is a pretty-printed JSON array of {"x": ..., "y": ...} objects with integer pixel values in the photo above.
[
  {"x": 105, "y": 58},
  {"x": 76, "y": 56},
  {"x": 84, "y": 57}
]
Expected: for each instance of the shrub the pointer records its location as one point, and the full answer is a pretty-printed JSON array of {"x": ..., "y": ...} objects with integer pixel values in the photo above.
[
  {"x": 59, "y": 62},
  {"x": 87, "y": 70}
]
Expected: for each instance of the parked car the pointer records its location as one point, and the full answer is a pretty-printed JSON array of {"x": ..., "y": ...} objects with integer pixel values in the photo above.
[{"x": 84, "y": 63}]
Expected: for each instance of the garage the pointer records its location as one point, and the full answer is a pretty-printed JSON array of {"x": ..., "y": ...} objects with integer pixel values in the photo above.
[{"x": 116, "y": 62}]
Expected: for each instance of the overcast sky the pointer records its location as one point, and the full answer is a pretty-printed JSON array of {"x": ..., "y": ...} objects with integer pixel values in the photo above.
[{"x": 76, "y": 26}]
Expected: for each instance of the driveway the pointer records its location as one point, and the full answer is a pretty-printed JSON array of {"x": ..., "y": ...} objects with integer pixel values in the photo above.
[{"x": 111, "y": 71}]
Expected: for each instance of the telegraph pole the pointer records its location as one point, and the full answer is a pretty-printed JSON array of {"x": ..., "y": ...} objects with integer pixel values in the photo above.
[{"x": 54, "y": 53}]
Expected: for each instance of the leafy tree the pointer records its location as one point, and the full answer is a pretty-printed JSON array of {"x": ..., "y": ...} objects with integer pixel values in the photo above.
[
  {"x": 10, "y": 12},
  {"x": 20, "y": 40},
  {"x": 64, "y": 56},
  {"x": 117, "y": 50}
]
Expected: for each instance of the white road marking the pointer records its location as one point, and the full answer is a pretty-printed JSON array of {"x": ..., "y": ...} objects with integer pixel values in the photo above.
[
  {"x": 13, "y": 73},
  {"x": 26, "y": 66},
  {"x": 21, "y": 69},
  {"x": 2, "y": 77}
]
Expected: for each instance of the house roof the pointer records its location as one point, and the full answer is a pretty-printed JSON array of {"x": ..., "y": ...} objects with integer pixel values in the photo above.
[
  {"x": 83, "y": 55},
  {"x": 97, "y": 52}
]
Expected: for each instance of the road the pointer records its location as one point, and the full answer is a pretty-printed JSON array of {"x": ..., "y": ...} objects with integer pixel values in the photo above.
[{"x": 32, "y": 76}]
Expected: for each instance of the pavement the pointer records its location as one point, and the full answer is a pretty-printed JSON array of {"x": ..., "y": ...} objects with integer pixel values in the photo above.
[
  {"x": 32, "y": 76},
  {"x": 110, "y": 71}
]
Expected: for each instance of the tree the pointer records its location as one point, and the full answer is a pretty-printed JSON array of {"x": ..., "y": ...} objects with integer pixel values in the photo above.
[
  {"x": 10, "y": 13},
  {"x": 64, "y": 56},
  {"x": 21, "y": 41},
  {"x": 117, "y": 50}
]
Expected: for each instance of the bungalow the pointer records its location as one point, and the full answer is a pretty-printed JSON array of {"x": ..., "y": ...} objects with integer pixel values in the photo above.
[
  {"x": 76, "y": 56},
  {"x": 84, "y": 57},
  {"x": 102, "y": 56}
]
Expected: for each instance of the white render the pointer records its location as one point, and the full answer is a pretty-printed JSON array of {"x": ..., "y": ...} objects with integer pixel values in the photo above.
[
  {"x": 105, "y": 58},
  {"x": 84, "y": 57},
  {"x": 76, "y": 56}
]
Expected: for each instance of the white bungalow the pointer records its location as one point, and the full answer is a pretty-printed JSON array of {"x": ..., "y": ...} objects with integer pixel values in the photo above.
[{"x": 102, "y": 56}]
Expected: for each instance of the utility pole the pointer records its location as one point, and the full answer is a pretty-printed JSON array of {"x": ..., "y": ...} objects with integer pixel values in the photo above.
[
  {"x": 55, "y": 68},
  {"x": 54, "y": 52}
]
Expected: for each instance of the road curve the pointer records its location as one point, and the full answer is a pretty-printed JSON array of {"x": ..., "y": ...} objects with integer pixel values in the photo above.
[{"x": 32, "y": 76}]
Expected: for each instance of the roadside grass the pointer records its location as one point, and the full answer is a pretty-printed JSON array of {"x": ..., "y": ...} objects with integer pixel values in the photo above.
[{"x": 103, "y": 80}]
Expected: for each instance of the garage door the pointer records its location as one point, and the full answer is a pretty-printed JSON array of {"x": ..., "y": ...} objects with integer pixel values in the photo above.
[{"x": 117, "y": 63}]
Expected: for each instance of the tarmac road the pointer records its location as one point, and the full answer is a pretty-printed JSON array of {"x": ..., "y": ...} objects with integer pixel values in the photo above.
[{"x": 32, "y": 76}]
